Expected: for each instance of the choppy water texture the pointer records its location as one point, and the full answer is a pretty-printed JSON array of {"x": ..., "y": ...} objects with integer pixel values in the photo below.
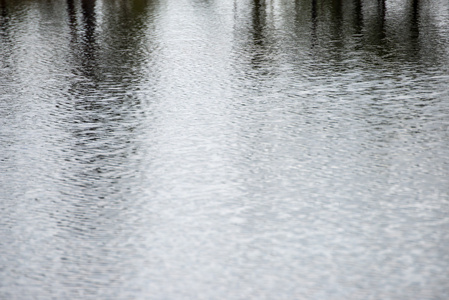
[{"x": 219, "y": 149}]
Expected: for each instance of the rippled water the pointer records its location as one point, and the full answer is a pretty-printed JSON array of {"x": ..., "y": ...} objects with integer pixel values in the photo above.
[{"x": 206, "y": 149}]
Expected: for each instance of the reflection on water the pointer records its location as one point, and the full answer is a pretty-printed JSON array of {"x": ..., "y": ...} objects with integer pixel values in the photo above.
[{"x": 202, "y": 149}]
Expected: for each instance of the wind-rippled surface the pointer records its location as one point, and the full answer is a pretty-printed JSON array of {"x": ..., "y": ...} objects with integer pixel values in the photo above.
[{"x": 205, "y": 149}]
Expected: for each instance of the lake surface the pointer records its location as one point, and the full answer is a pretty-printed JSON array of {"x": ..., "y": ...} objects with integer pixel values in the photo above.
[{"x": 220, "y": 149}]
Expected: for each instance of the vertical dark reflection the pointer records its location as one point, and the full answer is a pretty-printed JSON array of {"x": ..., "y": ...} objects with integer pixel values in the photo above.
[
  {"x": 358, "y": 16},
  {"x": 259, "y": 22},
  {"x": 99, "y": 111},
  {"x": 73, "y": 26},
  {"x": 337, "y": 22},
  {"x": 71, "y": 13},
  {"x": 5, "y": 45},
  {"x": 381, "y": 15},
  {"x": 98, "y": 125},
  {"x": 3, "y": 11},
  {"x": 337, "y": 12},
  {"x": 414, "y": 38},
  {"x": 259, "y": 57},
  {"x": 4, "y": 22},
  {"x": 83, "y": 38},
  {"x": 314, "y": 20},
  {"x": 89, "y": 51},
  {"x": 375, "y": 33},
  {"x": 88, "y": 11},
  {"x": 8, "y": 65},
  {"x": 415, "y": 19},
  {"x": 336, "y": 31},
  {"x": 83, "y": 52}
]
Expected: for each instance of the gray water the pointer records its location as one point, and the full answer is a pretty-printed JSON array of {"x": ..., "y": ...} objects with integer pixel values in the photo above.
[{"x": 220, "y": 149}]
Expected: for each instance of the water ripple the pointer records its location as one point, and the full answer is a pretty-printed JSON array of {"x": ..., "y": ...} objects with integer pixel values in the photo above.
[{"x": 224, "y": 150}]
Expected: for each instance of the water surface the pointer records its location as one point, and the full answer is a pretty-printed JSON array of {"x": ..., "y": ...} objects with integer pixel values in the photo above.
[{"x": 205, "y": 149}]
